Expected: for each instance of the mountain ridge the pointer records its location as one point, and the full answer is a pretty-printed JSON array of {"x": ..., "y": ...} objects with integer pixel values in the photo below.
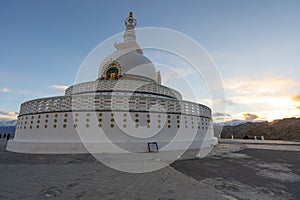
[
  {"x": 284, "y": 129},
  {"x": 7, "y": 128}
]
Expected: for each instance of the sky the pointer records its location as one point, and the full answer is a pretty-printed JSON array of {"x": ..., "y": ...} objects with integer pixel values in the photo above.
[{"x": 254, "y": 44}]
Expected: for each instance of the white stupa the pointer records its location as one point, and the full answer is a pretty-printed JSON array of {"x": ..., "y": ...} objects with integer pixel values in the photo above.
[{"x": 125, "y": 107}]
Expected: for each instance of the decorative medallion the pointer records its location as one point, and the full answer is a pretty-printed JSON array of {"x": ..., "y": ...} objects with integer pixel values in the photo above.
[{"x": 112, "y": 71}]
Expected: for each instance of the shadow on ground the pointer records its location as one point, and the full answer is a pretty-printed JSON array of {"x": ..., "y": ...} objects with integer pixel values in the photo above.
[{"x": 249, "y": 173}]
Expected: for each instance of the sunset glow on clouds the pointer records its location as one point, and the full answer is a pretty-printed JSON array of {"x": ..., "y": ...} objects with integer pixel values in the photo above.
[
  {"x": 265, "y": 99},
  {"x": 268, "y": 99},
  {"x": 296, "y": 101},
  {"x": 60, "y": 88},
  {"x": 4, "y": 115}
]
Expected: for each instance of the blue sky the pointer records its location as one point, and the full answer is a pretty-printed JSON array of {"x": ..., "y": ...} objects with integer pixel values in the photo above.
[{"x": 255, "y": 44}]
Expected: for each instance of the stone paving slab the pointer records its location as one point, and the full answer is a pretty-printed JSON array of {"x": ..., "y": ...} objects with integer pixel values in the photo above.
[
  {"x": 80, "y": 177},
  {"x": 249, "y": 174},
  {"x": 230, "y": 171},
  {"x": 95, "y": 181}
]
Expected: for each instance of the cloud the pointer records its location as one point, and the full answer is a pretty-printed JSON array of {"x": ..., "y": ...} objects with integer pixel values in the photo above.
[
  {"x": 262, "y": 88},
  {"x": 228, "y": 102},
  {"x": 8, "y": 113},
  {"x": 296, "y": 101},
  {"x": 176, "y": 73},
  {"x": 270, "y": 87},
  {"x": 263, "y": 94},
  {"x": 249, "y": 116},
  {"x": 61, "y": 88},
  {"x": 263, "y": 115},
  {"x": 171, "y": 66},
  {"x": 221, "y": 117},
  {"x": 7, "y": 116},
  {"x": 296, "y": 98},
  {"x": 219, "y": 114},
  {"x": 4, "y": 118},
  {"x": 5, "y": 90}
]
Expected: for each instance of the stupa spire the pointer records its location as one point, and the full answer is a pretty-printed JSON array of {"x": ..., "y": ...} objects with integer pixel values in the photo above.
[
  {"x": 130, "y": 22},
  {"x": 129, "y": 43}
]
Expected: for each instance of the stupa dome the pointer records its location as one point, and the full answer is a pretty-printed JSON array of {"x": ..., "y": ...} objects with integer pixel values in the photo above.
[{"x": 130, "y": 63}]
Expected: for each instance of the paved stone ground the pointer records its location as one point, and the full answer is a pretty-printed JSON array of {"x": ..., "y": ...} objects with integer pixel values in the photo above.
[
  {"x": 249, "y": 173},
  {"x": 225, "y": 174},
  {"x": 81, "y": 177}
]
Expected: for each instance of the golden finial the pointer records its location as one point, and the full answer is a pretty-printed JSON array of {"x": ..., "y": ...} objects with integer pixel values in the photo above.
[{"x": 130, "y": 22}]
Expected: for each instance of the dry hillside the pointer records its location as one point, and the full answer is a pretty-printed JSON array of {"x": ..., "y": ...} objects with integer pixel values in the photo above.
[{"x": 285, "y": 129}]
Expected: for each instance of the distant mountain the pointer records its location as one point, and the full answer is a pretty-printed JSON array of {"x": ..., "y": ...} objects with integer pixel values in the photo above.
[
  {"x": 234, "y": 122},
  {"x": 7, "y": 127},
  {"x": 8, "y": 123},
  {"x": 285, "y": 129}
]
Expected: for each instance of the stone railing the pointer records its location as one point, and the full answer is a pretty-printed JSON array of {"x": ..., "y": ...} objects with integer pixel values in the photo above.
[
  {"x": 118, "y": 103},
  {"x": 122, "y": 85}
]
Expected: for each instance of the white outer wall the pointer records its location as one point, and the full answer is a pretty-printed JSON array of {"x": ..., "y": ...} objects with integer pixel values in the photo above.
[{"x": 35, "y": 133}]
